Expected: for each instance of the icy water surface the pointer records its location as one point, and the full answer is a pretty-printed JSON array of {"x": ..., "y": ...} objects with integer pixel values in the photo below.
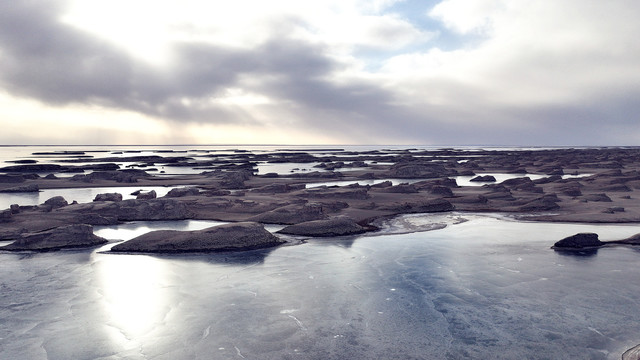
[{"x": 483, "y": 289}]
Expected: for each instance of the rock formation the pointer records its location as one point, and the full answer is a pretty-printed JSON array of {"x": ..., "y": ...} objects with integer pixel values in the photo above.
[
  {"x": 70, "y": 236},
  {"x": 108, "y": 197},
  {"x": 337, "y": 226},
  {"x": 229, "y": 237},
  {"x": 579, "y": 241}
]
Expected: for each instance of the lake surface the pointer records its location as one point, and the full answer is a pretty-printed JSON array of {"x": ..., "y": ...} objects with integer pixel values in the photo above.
[{"x": 487, "y": 288}]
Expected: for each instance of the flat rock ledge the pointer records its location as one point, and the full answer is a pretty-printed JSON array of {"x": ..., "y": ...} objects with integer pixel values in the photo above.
[
  {"x": 229, "y": 237},
  {"x": 337, "y": 226},
  {"x": 69, "y": 236}
]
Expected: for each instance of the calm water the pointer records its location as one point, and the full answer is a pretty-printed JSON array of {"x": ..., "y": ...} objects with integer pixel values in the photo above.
[{"x": 484, "y": 289}]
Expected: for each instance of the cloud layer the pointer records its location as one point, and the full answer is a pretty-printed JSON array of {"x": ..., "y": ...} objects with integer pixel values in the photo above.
[{"x": 518, "y": 72}]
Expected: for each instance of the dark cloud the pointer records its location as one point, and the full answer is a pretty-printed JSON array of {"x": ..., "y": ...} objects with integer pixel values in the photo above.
[
  {"x": 54, "y": 63},
  {"x": 50, "y": 62}
]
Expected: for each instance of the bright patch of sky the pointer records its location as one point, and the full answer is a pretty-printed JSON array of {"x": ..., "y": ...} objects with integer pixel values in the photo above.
[{"x": 418, "y": 12}]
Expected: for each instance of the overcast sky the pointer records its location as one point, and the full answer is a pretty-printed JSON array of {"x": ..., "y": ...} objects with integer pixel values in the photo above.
[{"x": 452, "y": 72}]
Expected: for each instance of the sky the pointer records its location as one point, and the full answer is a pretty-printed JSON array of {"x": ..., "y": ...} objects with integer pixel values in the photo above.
[{"x": 451, "y": 72}]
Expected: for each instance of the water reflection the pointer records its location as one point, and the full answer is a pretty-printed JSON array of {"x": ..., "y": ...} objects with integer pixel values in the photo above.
[
  {"x": 584, "y": 253},
  {"x": 136, "y": 291},
  {"x": 251, "y": 257},
  {"x": 132, "y": 229}
]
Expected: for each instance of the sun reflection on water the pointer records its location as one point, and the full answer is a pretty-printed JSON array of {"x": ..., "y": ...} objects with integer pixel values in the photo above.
[{"x": 136, "y": 293}]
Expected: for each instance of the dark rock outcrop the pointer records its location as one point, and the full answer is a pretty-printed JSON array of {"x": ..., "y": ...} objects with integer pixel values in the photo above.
[
  {"x": 5, "y": 215},
  {"x": 401, "y": 189},
  {"x": 133, "y": 209},
  {"x": 441, "y": 190},
  {"x": 517, "y": 182},
  {"x": 544, "y": 203},
  {"x": 338, "y": 226},
  {"x": 183, "y": 191},
  {"x": 11, "y": 178},
  {"x": 278, "y": 188},
  {"x": 32, "y": 168},
  {"x": 25, "y": 188},
  {"x": 291, "y": 214},
  {"x": 484, "y": 178},
  {"x": 358, "y": 192},
  {"x": 229, "y": 237},
  {"x": 70, "y": 236},
  {"x": 416, "y": 170},
  {"x": 235, "y": 179},
  {"x": 146, "y": 195},
  {"x": 108, "y": 197},
  {"x": 56, "y": 202},
  {"x": 421, "y": 206},
  {"x": 597, "y": 198},
  {"x": 121, "y": 176},
  {"x": 578, "y": 241}
]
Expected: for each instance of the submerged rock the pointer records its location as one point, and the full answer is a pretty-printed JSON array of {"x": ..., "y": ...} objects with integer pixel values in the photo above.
[
  {"x": 337, "y": 226},
  {"x": 229, "y": 237},
  {"x": 69, "y": 236}
]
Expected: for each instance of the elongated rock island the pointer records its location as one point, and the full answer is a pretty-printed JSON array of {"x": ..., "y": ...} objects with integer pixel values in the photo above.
[{"x": 228, "y": 237}]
